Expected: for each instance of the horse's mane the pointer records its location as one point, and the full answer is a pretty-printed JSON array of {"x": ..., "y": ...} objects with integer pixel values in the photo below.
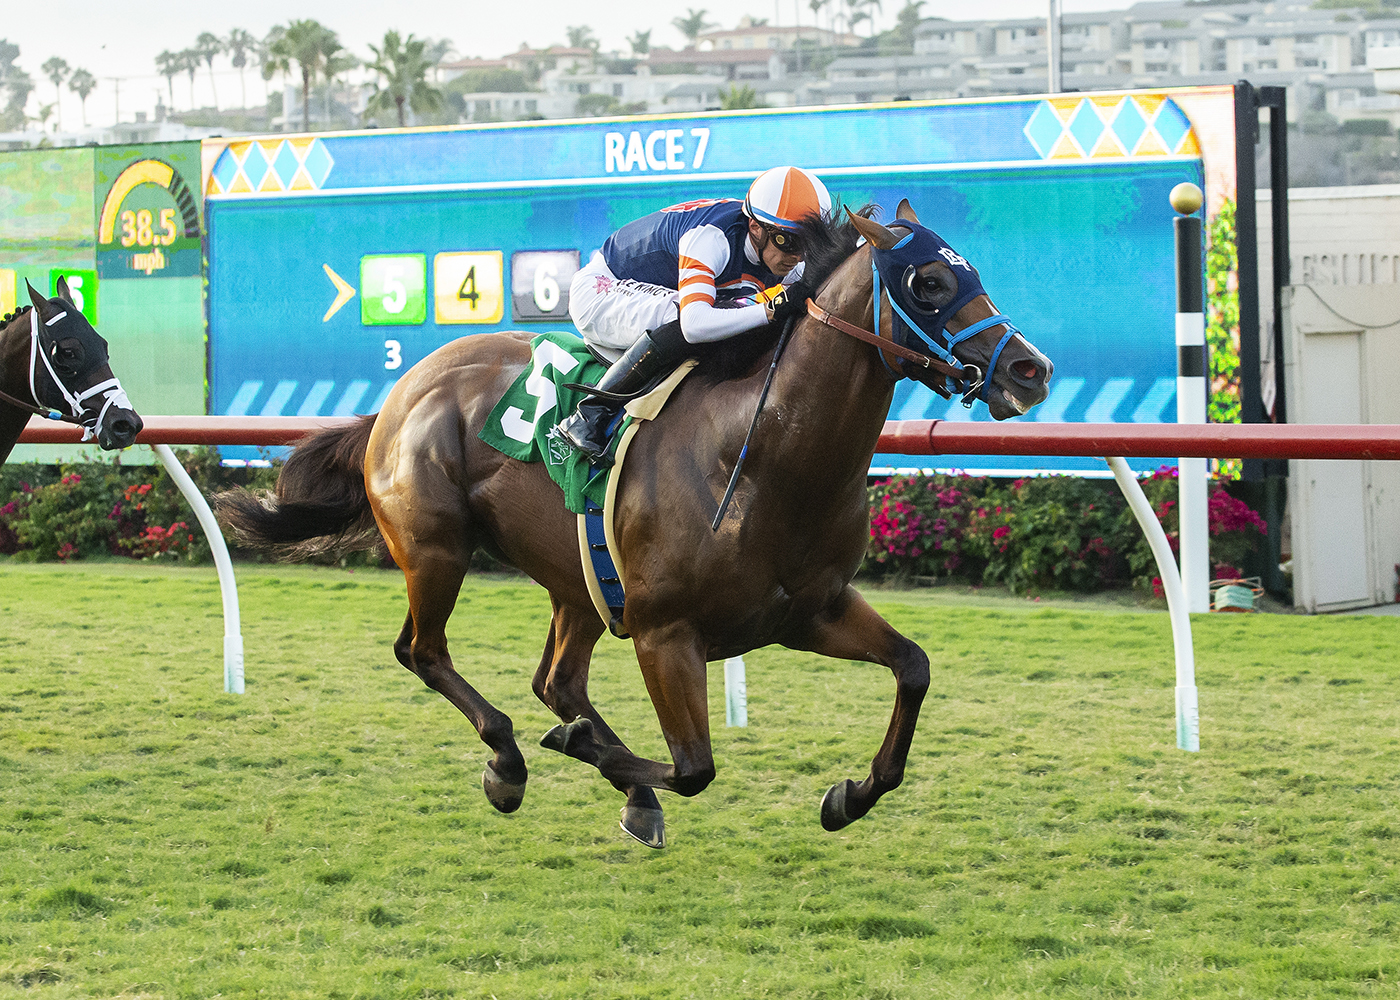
[
  {"x": 4, "y": 320},
  {"x": 828, "y": 242}
]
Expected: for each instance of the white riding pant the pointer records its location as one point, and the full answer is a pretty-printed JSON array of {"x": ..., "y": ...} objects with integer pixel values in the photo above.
[{"x": 612, "y": 313}]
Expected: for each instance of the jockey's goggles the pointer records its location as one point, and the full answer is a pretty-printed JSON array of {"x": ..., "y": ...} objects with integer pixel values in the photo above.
[{"x": 785, "y": 241}]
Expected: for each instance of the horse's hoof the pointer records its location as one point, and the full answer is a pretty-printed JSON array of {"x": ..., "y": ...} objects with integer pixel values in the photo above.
[
  {"x": 562, "y": 736},
  {"x": 834, "y": 815},
  {"x": 501, "y": 793},
  {"x": 645, "y": 825}
]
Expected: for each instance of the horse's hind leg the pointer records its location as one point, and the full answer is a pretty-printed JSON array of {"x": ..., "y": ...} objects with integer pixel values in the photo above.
[
  {"x": 433, "y": 584},
  {"x": 853, "y": 630},
  {"x": 561, "y": 682}
]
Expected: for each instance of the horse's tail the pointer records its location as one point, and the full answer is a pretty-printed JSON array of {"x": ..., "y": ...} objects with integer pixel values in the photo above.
[{"x": 320, "y": 503}]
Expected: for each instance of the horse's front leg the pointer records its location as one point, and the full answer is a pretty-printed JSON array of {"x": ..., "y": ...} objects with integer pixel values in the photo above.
[
  {"x": 673, "y": 666},
  {"x": 561, "y": 682},
  {"x": 850, "y": 629}
]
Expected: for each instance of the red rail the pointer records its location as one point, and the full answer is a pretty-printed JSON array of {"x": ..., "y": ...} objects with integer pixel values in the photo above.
[
  {"x": 903, "y": 437},
  {"x": 944, "y": 437},
  {"x": 259, "y": 431}
]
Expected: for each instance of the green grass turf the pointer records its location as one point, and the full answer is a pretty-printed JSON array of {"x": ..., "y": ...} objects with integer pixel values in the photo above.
[{"x": 325, "y": 835}]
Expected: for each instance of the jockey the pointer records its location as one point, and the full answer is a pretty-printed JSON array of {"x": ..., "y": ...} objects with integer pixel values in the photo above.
[{"x": 690, "y": 274}]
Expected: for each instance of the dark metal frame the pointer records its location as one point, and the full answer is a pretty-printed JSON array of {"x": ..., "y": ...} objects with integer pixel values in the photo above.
[
  {"x": 1265, "y": 480},
  {"x": 1248, "y": 100}
]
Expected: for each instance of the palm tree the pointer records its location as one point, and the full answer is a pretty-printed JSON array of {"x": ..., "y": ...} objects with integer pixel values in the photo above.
[
  {"x": 83, "y": 83},
  {"x": 692, "y": 24},
  {"x": 403, "y": 67},
  {"x": 208, "y": 45},
  {"x": 907, "y": 22},
  {"x": 270, "y": 62},
  {"x": 436, "y": 51},
  {"x": 738, "y": 98},
  {"x": 861, "y": 10},
  {"x": 167, "y": 65},
  {"x": 56, "y": 69},
  {"x": 238, "y": 44},
  {"x": 581, "y": 37},
  {"x": 17, "y": 83},
  {"x": 189, "y": 62},
  {"x": 305, "y": 43},
  {"x": 640, "y": 42},
  {"x": 337, "y": 62}
]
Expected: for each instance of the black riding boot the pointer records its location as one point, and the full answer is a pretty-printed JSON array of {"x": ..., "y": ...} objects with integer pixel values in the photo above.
[{"x": 645, "y": 365}]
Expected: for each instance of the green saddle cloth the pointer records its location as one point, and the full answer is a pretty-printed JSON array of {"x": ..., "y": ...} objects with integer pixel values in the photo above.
[{"x": 521, "y": 425}]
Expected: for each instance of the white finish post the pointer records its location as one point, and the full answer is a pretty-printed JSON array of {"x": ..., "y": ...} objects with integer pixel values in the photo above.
[
  {"x": 1192, "y": 379},
  {"x": 228, "y": 589},
  {"x": 1192, "y": 473},
  {"x": 1188, "y": 722},
  {"x": 736, "y": 693},
  {"x": 1052, "y": 47}
]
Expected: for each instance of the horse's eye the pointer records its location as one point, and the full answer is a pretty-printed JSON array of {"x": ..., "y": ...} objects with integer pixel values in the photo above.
[
  {"x": 69, "y": 354},
  {"x": 933, "y": 290}
]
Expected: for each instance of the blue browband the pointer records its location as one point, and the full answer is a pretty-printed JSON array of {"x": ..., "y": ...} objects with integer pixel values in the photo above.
[{"x": 894, "y": 266}]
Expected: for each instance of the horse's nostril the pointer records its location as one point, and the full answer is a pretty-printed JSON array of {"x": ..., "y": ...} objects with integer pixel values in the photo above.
[{"x": 1027, "y": 370}]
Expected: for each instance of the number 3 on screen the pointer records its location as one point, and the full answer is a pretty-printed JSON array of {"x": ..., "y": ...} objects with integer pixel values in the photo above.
[{"x": 393, "y": 355}]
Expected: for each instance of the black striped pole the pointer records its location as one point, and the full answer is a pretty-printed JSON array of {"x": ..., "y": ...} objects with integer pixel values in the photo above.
[{"x": 1191, "y": 393}]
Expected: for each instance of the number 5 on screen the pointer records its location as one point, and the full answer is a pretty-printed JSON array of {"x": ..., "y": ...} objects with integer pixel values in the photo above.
[{"x": 392, "y": 288}]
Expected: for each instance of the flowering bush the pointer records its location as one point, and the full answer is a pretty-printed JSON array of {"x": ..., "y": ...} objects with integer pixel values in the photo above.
[
  {"x": 1052, "y": 532},
  {"x": 917, "y": 523},
  {"x": 1235, "y": 531},
  {"x": 69, "y": 512},
  {"x": 1057, "y": 532}
]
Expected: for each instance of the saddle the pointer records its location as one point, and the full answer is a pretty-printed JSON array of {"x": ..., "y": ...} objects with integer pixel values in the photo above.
[{"x": 520, "y": 426}]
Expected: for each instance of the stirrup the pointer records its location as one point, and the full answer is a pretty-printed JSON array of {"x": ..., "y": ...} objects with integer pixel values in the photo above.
[{"x": 587, "y": 434}]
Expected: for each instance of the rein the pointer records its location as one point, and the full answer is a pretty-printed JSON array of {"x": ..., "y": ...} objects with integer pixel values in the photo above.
[
  {"x": 41, "y": 411},
  {"x": 870, "y": 337},
  {"x": 957, "y": 374},
  {"x": 748, "y": 438}
]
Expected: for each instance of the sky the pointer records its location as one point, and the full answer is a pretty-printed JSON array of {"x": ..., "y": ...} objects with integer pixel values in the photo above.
[{"x": 118, "y": 39}]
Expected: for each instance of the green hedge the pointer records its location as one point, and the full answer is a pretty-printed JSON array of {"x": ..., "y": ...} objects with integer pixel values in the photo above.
[
  {"x": 1054, "y": 532},
  {"x": 57, "y": 513}
]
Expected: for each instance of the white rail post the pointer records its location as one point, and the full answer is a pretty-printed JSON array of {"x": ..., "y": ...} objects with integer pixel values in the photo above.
[
  {"x": 1188, "y": 721},
  {"x": 228, "y": 589},
  {"x": 1192, "y": 379},
  {"x": 736, "y": 693}
]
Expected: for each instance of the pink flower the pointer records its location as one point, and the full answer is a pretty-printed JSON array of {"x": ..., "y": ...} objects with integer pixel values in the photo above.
[{"x": 1001, "y": 532}]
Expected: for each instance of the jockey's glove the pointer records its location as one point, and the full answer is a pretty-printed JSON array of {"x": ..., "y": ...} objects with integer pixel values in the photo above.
[{"x": 791, "y": 301}]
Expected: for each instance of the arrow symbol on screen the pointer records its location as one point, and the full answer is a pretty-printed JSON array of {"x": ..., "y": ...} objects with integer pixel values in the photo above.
[{"x": 343, "y": 292}]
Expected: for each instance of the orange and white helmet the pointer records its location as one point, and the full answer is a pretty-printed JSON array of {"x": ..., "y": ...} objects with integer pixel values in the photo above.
[{"x": 784, "y": 196}]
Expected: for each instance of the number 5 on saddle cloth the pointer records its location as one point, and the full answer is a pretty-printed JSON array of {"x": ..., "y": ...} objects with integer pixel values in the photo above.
[{"x": 520, "y": 426}]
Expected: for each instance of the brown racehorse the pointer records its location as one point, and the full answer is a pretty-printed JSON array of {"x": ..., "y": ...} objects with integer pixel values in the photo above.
[
  {"x": 778, "y": 570},
  {"x": 68, "y": 373}
]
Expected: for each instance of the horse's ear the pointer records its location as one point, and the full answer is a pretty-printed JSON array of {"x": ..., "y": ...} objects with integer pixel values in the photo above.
[
  {"x": 41, "y": 303},
  {"x": 905, "y": 211},
  {"x": 876, "y": 234},
  {"x": 63, "y": 292}
]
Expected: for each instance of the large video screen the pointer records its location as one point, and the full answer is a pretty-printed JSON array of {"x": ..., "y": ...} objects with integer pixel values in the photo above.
[
  {"x": 336, "y": 262},
  {"x": 122, "y": 226}
]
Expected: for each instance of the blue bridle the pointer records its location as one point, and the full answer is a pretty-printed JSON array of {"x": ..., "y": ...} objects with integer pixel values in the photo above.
[{"x": 896, "y": 267}]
